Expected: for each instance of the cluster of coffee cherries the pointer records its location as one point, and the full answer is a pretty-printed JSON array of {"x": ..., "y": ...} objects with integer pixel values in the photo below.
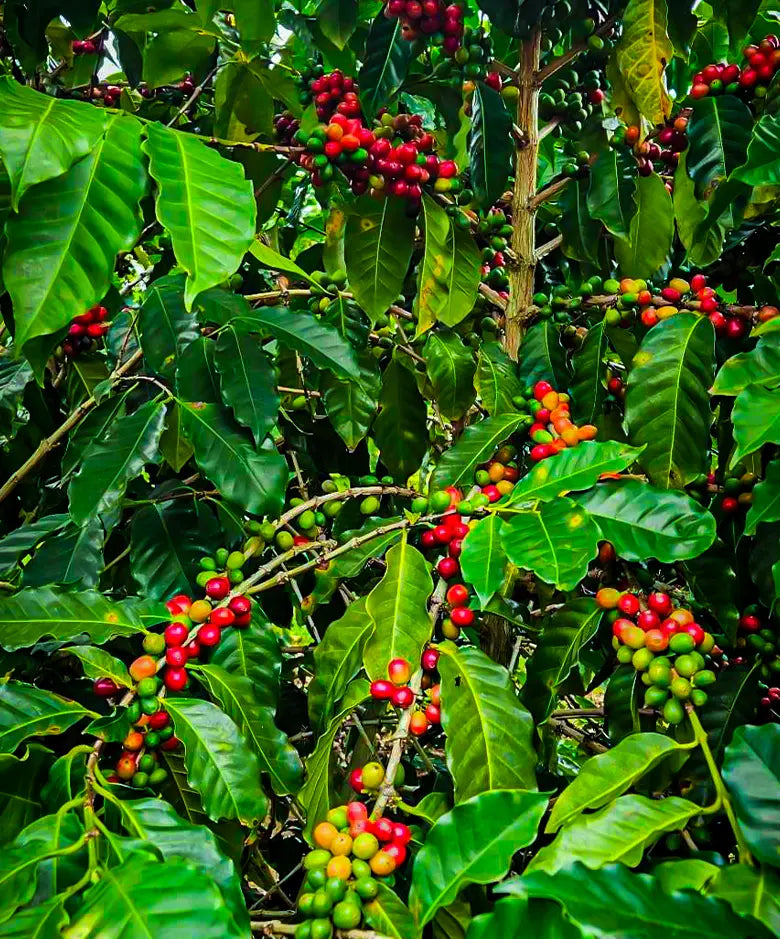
[
  {"x": 493, "y": 232},
  {"x": 562, "y": 300},
  {"x": 551, "y": 429},
  {"x": 85, "y": 331},
  {"x": 495, "y": 479},
  {"x": 571, "y": 99},
  {"x": 658, "y": 152},
  {"x": 737, "y": 492},
  {"x": 442, "y": 22},
  {"x": 757, "y": 638},
  {"x": 750, "y": 81},
  {"x": 353, "y": 854},
  {"x": 665, "y": 645},
  {"x": 286, "y": 126},
  {"x": 474, "y": 56},
  {"x": 228, "y": 564},
  {"x": 678, "y": 292},
  {"x": 334, "y": 93},
  {"x": 396, "y": 690},
  {"x": 325, "y": 288},
  {"x": 559, "y": 20}
]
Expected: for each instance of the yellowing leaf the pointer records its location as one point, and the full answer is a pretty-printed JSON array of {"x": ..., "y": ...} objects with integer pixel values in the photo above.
[{"x": 642, "y": 54}]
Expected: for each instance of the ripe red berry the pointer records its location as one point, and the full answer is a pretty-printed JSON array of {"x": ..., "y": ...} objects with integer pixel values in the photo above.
[
  {"x": 244, "y": 620},
  {"x": 542, "y": 388},
  {"x": 428, "y": 539},
  {"x": 619, "y": 625},
  {"x": 729, "y": 505},
  {"x": 462, "y": 616},
  {"x": 193, "y": 648},
  {"x": 457, "y": 595},
  {"x": 399, "y": 671},
  {"x": 222, "y": 616},
  {"x": 159, "y": 719},
  {"x": 648, "y": 619},
  {"x": 698, "y": 281},
  {"x": 209, "y": 635},
  {"x": 240, "y": 605},
  {"x": 442, "y": 534},
  {"x": 694, "y": 630},
  {"x": 749, "y": 623},
  {"x": 396, "y": 851},
  {"x": 402, "y": 697},
  {"x": 455, "y": 547},
  {"x": 381, "y": 690},
  {"x": 105, "y": 687},
  {"x": 629, "y": 604},
  {"x": 402, "y": 834},
  {"x": 175, "y": 679},
  {"x": 179, "y": 604},
  {"x": 177, "y": 656},
  {"x": 383, "y": 829},
  {"x": 356, "y": 779},
  {"x": 660, "y": 603},
  {"x": 357, "y": 811},
  {"x": 217, "y": 588},
  {"x": 172, "y": 743},
  {"x": 669, "y": 627},
  {"x": 448, "y": 567},
  {"x": 430, "y": 659},
  {"x": 433, "y": 713}
]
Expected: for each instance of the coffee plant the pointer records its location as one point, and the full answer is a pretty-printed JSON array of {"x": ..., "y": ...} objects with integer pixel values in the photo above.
[{"x": 389, "y": 469}]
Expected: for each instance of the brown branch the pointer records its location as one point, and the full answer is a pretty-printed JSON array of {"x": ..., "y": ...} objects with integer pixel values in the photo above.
[
  {"x": 549, "y": 127},
  {"x": 277, "y": 174},
  {"x": 274, "y": 927},
  {"x": 196, "y": 93},
  {"x": 548, "y": 192},
  {"x": 563, "y": 60},
  {"x": 548, "y": 246}
]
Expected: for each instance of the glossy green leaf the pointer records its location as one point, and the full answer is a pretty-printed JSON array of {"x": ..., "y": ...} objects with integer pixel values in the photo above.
[
  {"x": 490, "y": 144},
  {"x": 575, "y": 468},
  {"x": 580, "y": 230},
  {"x": 167, "y": 328},
  {"x": 649, "y": 241},
  {"x": 642, "y": 54},
  {"x": 760, "y": 366},
  {"x": 610, "y": 774},
  {"x": 512, "y": 915},
  {"x": 451, "y": 370},
  {"x": 337, "y": 660},
  {"x": 614, "y": 901},
  {"x": 220, "y": 765},
  {"x": 642, "y": 521},
  {"x": 588, "y": 385},
  {"x": 127, "y": 903},
  {"x": 483, "y": 558},
  {"x": 302, "y": 333},
  {"x": 556, "y": 541},
  {"x": 94, "y": 427},
  {"x": 31, "y": 615},
  {"x": 766, "y": 499},
  {"x": 667, "y": 405},
  {"x": 400, "y": 429},
  {"x": 243, "y": 107},
  {"x": 352, "y": 404},
  {"x": 173, "y": 52},
  {"x": 43, "y": 921},
  {"x": 338, "y": 19},
  {"x": 269, "y": 258},
  {"x": 236, "y": 696},
  {"x": 317, "y": 794},
  {"x": 388, "y": 56},
  {"x": 472, "y": 844},
  {"x": 353, "y": 562},
  {"x": 253, "y": 652},
  {"x": 110, "y": 464},
  {"x": 378, "y": 243},
  {"x": 718, "y": 135},
  {"x": 389, "y": 915},
  {"x": 685, "y": 874},
  {"x": 496, "y": 379},
  {"x": 622, "y": 701},
  {"x": 448, "y": 278},
  {"x": 761, "y": 166},
  {"x": 756, "y": 419},
  {"x": 204, "y": 202},
  {"x": 89, "y": 215},
  {"x": 711, "y": 577},
  {"x": 488, "y": 731},
  {"x": 174, "y": 446},
  {"x": 750, "y": 892},
  {"x": 22, "y": 780},
  {"x": 254, "y": 478},
  {"x": 751, "y": 771},
  {"x": 619, "y": 832},
  {"x": 701, "y": 236},
  {"x": 21, "y": 541},
  {"x": 557, "y": 654},
  {"x": 73, "y": 557},
  {"x": 398, "y": 608},
  {"x": 247, "y": 381},
  {"x": 542, "y": 356},
  {"x": 42, "y": 136},
  {"x": 27, "y": 711},
  {"x": 15, "y": 374},
  {"x": 476, "y": 445},
  {"x": 98, "y": 663},
  {"x": 611, "y": 187}
]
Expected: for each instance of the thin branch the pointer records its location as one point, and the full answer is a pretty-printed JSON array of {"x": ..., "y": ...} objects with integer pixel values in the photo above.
[
  {"x": 549, "y": 191},
  {"x": 562, "y": 61},
  {"x": 549, "y": 246},
  {"x": 274, "y": 927},
  {"x": 277, "y": 174},
  {"x": 549, "y": 127},
  {"x": 196, "y": 93}
]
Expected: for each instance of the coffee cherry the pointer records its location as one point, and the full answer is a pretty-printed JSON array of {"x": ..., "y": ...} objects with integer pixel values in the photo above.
[
  {"x": 628, "y": 604},
  {"x": 175, "y": 634},
  {"x": 381, "y": 690},
  {"x": 178, "y": 656},
  {"x": 660, "y": 603},
  {"x": 175, "y": 678},
  {"x": 143, "y": 667},
  {"x": 399, "y": 671},
  {"x": 402, "y": 697},
  {"x": 448, "y": 567},
  {"x": 430, "y": 659},
  {"x": 433, "y": 713},
  {"x": 209, "y": 635},
  {"x": 462, "y": 616},
  {"x": 159, "y": 719},
  {"x": 373, "y": 774},
  {"x": 222, "y": 616},
  {"x": 240, "y": 606},
  {"x": 457, "y": 595},
  {"x": 218, "y": 588},
  {"x": 105, "y": 687},
  {"x": 154, "y": 643},
  {"x": 356, "y": 779}
]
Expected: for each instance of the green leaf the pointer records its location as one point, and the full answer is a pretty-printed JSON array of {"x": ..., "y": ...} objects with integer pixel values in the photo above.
[
  {"x": 642, "y": 54},
  {"x": 235, "y": 695},
  {"x": 575, "y": 468},
  {"x": 619, "y": 832},
  {"x": 621, "y": 703},
  {"x": 685, "y": 874},
  {"x": 496, "y": 379},
  {"x": 15, "y": 373},
  {"x": 608, "y": 775},
  {"x": 22, "y": 781},
  {"x": 172, "y": 52},
  {"x": 338, "y": 19},
  {"x": 41, "y": 137},
  {"x": 253, "y": 652},
  {"x": 702, "y": 240},
  {"x": 451, "y": 370},
  {"x": 643, "y": 522},
  {"x": 652, "y": 226},
  {"x": 760, "y": 366},
  {"x": 247, "y": 381},
  {"x": 110, "y": 464},
  {"x": 756, "y": 418},
  {"x": 557, "y": 654},
  {"x": 588, "y": 389},
  {"x": 556, "y": 541},
  {"x": 353, "y": 562},
  {"x": 94, "y": 427},
  {"x": 74, "y": 557},
  {"x": 398, "y": 607},
  {"x": 337, "y": 660},
  {"x": 378, "y": 243},
  {"x": 204, "y": 202},
  {"x": 488, "y": 730},
  {"x": 611, "y": 190},
  {"x": 476, "y": 445},
  {"x": 156, "y": 821},
  {"x": 732, "y": 702},
  {"x": 542, "y": 356},
  {"x": 174, "y": 446},
  {"x": 21, "y": 541},
  {"x": 711, "y": 577},
  {"x": 97, "y": 664},
  {"x": 167, "y": 328},
  {"x": 31, "y": 615},
  {"x": 400, "y": 429},
  {"x": 127, "y": 903},
  {"x": 751, "y": 771},
  {"x": 448, "y": 278},
  {"x": 718, "y": 135},
  {"x": 300, "y": 332},
  {"x": 27, "y": 711},
  {"x": 580, "y": 230},
  {"x": 667, "y": 405},
  {"x": 388, "y": 56},
  {"x": 389, "y": 915},
  {"x": 351, "y": 405},
  {"x": 491, "y": 147},
  {"x": 271, "y": 259},
  {"x": 318, "y": 792},
  {"x": 220, "y": 766},
  {"x": 750, "y": 893},
  {"x": 614, "y": 901},
  {"x": 483, "y": 558},
  {"x": 761, "y": 168},
  {"x": 472, "y": 844},
  {"x": 511, "y": 915},
  {"x": 252, "y": 478},
  {"x": 766, "y": 499},
  {"x": 44, "y": 921},
  {"x": 89, "y": 215},
  {"x": 244, "y": 109}
]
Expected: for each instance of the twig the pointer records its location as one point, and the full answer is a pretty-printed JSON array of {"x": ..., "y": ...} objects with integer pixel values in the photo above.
[
  {"x": 562, "y": 61},
  {"x": 579, "y": 736},
  {"x": 549, "y": 127},
  {"x": 578, "y": 712},
  {"x": 551, "y": 245},
  {"x": 549, "y": 191},
  {"x": 196, "y": 93},
  {"x": 274, "y": 927}
]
